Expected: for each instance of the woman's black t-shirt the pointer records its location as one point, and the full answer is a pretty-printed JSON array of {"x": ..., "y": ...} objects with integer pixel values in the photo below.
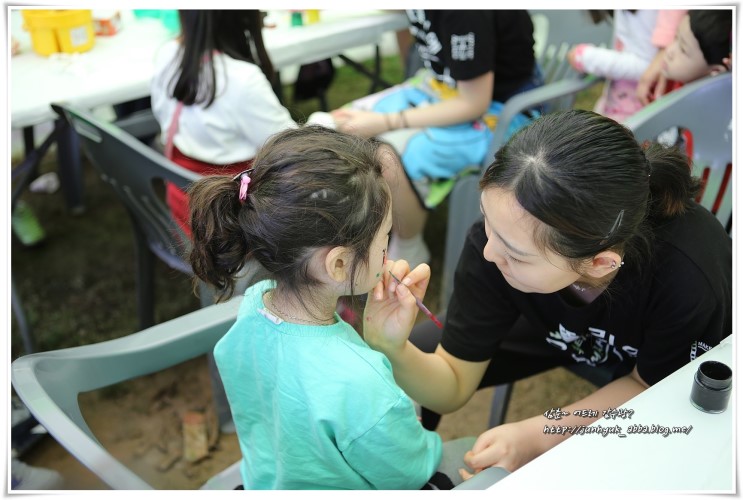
[{"x": 658, "y": 315}]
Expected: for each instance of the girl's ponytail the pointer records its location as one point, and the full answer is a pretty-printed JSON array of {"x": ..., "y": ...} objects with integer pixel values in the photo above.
[{"x": 219, "y": 248}]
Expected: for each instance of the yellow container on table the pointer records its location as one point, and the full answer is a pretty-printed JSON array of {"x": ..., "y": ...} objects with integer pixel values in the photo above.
[
  {"x": 313, "y": 16},
  {"x": 55, "y": 31}
]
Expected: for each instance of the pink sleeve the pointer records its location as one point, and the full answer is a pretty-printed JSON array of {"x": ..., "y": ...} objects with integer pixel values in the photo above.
[{"x": 665, "y": 27}]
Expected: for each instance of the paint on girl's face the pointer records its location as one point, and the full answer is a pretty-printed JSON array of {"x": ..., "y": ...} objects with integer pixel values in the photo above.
[{"x": 384, "y": 260}]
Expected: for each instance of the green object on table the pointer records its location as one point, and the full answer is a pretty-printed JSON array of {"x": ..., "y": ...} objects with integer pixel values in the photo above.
[
  {"x": 169, "y": 18},
  {"x": 26, "y": 226},
  {"x": 297, "y": 18}
]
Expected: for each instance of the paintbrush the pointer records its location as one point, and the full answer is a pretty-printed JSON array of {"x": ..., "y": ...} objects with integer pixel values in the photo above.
[{"x": 420, "y": 305}]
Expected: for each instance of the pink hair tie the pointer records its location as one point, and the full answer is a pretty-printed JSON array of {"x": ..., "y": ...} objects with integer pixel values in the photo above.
[{"x": 245, "y": 179}]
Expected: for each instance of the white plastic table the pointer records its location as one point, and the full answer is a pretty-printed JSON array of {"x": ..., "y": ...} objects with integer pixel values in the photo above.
[
  {"x": 119, "y": 69},
  {"x": 701, "y": 460}
]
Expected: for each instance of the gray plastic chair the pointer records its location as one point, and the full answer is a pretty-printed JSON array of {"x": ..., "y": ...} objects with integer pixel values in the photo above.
[
  {"x": 49, "y": 383},
  {"x": 135, "y": 172},
  {"x": 704, "y": 108}
]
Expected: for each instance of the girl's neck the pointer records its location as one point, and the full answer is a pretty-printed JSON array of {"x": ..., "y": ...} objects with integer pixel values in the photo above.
[{"x": 318, "y": 310}]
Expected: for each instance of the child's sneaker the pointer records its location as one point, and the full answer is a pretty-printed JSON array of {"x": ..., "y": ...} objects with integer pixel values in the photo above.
[{"x": 26, "y": 226}]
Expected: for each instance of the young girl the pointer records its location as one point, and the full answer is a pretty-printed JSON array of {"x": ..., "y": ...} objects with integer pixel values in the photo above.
[
  {"x": 213, "y": 98},
  {"x": 702, "y": 46},
  {"x": 623, "y": 65},
  {"x": 314, "y": 406}
]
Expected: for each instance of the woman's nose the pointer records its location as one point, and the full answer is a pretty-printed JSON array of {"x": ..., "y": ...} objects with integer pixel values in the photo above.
[{"x": 491, "y": 254}]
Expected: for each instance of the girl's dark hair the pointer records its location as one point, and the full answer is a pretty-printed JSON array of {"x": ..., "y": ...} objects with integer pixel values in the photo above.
[
  {"x": 312, "y": 187},
  {"x": 713, "y": 30},
  {"x": 585, "y": 177},
  {"x": 235, "y": 33}
]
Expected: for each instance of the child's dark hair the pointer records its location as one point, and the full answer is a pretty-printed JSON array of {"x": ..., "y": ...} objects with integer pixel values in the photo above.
[
  {"x": 713, "y": 30},
  {"x": 585, "y": 177},
  {"x": 205, "y": 32},
  {"x": 312, "y": 187}
]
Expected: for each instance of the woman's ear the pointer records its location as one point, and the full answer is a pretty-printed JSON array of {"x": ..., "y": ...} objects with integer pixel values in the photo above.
[
  {"x": 604, "y": 263},
  {"x": 338, "y": 263}
]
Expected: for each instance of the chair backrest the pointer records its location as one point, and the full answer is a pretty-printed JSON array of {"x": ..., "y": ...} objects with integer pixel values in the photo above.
[
  {"x": 136, "y": 173},
  {"x": 49, "y": 382},
  {"x": 704, "y": 109},
  {"x": 555, "y": 32}
]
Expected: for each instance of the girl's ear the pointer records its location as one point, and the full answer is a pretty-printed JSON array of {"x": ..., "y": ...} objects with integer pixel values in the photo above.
[
  {"x": 604, "y": 263},
  {"x": 338, "y": 264}
]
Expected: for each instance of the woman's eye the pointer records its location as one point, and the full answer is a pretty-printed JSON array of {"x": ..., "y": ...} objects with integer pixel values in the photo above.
[{"x": 513, "y": 259}]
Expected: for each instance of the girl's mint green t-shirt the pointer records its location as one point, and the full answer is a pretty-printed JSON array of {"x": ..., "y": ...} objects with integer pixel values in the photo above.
[{"x": 317, "y": 408}]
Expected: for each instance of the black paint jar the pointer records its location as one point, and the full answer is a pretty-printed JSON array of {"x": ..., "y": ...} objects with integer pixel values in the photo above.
[{"x": 713, "y": 383}]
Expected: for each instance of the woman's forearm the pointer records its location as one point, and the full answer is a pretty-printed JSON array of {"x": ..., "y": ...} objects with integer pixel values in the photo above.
[
  {"x": 437, "y": 380},
  {"x": 611, "y": 395}
]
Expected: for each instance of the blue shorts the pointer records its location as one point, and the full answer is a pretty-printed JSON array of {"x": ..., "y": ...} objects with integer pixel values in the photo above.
[{"x": 433, "y": 157}]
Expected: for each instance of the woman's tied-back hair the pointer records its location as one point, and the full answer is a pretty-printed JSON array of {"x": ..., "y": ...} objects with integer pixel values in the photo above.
[
  {"x": 312, "y": 187},
  {"x": 713, "y": 30},
  {"x": 585, "y": 177},
  {"x": 236, "y": 33}
]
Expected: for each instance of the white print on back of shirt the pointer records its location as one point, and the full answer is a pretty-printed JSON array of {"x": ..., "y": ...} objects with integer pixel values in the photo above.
[
  {"x": 419, "y": 16},
  {"x": 432, "y": 43},
  {"x": 697, "y": 349},
  {"x": 463, "y": 47},
  {"x": 592, "y": 349}
]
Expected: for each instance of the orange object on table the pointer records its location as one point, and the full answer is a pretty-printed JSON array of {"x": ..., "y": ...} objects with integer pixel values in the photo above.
[{"x": 107, "y": 23}]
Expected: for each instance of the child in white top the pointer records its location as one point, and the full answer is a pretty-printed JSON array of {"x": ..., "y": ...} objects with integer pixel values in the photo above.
[{"x": 622, "y": 65}]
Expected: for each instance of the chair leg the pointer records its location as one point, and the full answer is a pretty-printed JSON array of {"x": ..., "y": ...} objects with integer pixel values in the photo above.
[
  {"x": 499, "y": 406},
  {"x": 70, "y": 167},
  {"x": 145, "y": 262},
  {"x": 20, "y": 317}
]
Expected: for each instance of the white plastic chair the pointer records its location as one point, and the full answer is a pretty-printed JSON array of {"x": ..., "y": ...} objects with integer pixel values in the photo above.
[{"x": 49, "y": 384}]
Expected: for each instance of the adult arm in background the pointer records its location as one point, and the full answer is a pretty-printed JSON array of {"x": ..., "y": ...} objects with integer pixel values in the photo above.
[
  {"x": 471, "y": 102},
  {"x": 652, "y": 84}
]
